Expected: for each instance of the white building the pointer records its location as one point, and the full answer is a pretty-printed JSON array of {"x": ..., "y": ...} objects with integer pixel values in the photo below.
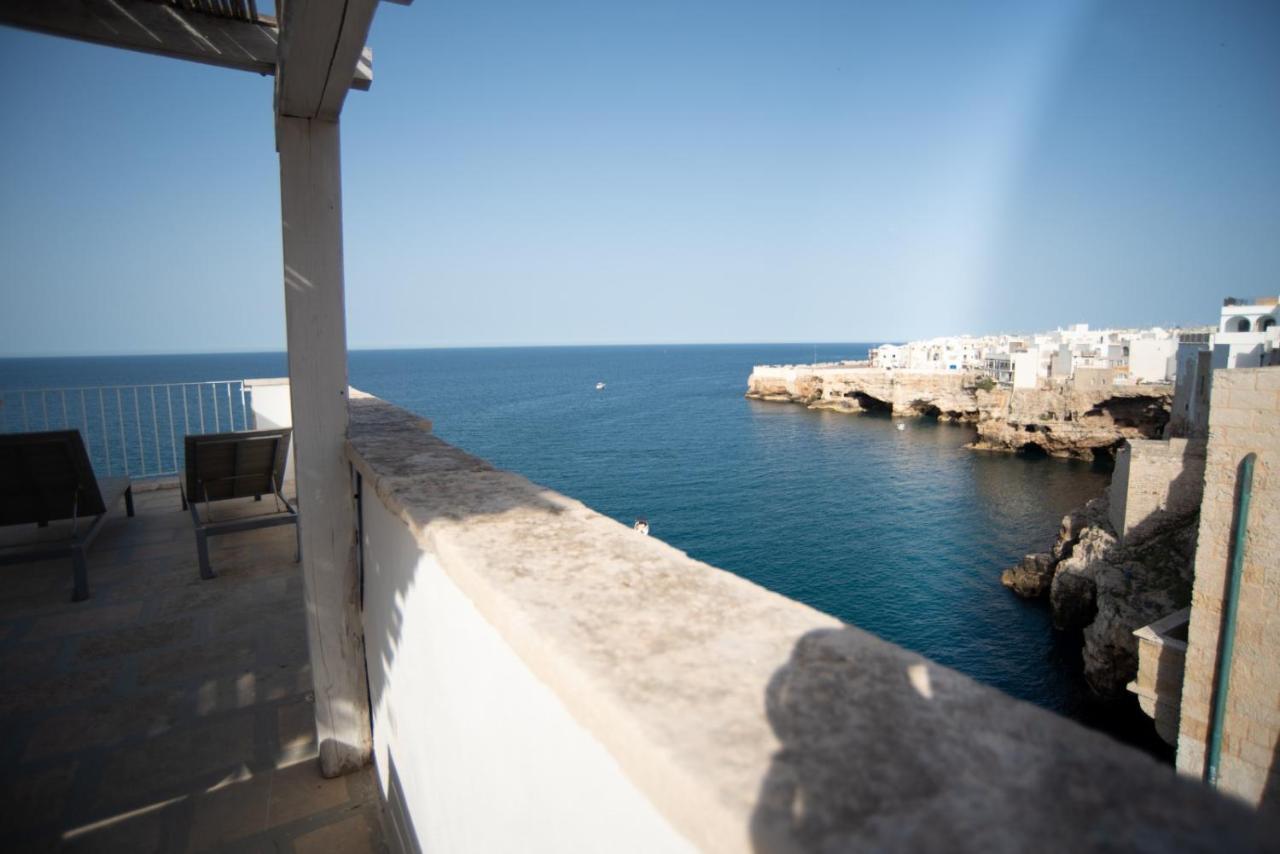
[
  {"x": 1248, "y": 334},
  {"x": 1153, "y": 360}
]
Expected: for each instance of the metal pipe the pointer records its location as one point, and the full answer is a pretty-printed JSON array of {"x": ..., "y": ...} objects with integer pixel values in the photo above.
[{"x": 1231, "y": 603}]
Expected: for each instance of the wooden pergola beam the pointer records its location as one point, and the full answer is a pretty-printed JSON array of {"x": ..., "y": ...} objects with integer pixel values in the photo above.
[
  {"x": 321, "y": 46},
  {"x": 159, "y": 28}
]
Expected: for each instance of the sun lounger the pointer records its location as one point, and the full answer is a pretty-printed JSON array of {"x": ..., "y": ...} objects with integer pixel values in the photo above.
[
  {"x": 46, "y": 477},
  {"x": 225, "y": 466}
]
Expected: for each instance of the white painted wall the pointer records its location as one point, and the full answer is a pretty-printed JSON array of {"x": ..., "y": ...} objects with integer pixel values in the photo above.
[
  {"x": 487, "y": 758},
  {"x": 1026, "y": 369},
  {"x": 1152, "y": 359},
  {"x": 269, "y": 400}
]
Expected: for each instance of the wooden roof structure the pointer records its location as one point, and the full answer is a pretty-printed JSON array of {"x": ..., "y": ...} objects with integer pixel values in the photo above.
[{"x": 226, "y": 33}]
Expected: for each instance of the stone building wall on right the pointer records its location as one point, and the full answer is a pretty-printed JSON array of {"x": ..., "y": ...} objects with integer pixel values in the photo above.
[{"x": 1244, "y": 417}]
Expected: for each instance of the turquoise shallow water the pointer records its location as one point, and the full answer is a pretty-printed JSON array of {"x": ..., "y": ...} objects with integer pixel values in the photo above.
[{"x": 903, "y": 533}]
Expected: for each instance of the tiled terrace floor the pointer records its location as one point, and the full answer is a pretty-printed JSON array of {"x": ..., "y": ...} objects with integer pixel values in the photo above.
[{"x": 166, "y": 713}]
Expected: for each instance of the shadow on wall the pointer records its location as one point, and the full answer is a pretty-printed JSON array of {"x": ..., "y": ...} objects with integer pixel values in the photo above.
[
  {"x": 1270, "y": 802},
  {"x": 884, "y": 750},
  {"x": 1182, "y": 500},
  {"x": 428, "y": 484}
]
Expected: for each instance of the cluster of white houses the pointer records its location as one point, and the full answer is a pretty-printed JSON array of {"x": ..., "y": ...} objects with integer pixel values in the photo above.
[{"x": 1247, "y": 335}]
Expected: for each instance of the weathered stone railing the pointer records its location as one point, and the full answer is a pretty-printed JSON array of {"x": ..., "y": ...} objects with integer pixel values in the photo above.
[{"x": 546, "y": 679}]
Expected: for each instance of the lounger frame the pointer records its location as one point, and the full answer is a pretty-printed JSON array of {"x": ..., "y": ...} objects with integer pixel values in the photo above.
[
  {"x": 206, "y": 483},
  {"x": 51, "y": 480}
]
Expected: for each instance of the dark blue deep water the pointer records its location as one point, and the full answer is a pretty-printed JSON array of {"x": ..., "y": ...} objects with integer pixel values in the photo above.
[{"x": 903, "y": 533}]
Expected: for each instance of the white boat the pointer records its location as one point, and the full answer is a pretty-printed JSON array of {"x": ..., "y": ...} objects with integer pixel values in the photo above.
[
  {"x": 902, "y": 426},
  {"x": 642, "y": 525},
  {"x": 599, "y": 386}
]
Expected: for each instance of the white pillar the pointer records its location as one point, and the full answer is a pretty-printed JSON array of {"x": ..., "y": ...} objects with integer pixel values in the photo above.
[{"x": 311, "y": 208}]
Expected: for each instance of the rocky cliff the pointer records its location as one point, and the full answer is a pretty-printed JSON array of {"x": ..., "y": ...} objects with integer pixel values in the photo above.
[
  {"x": 1060, "y": 420},
  {"x": 1067, "y": 422},
  {"x": 1107, "y": 590}
]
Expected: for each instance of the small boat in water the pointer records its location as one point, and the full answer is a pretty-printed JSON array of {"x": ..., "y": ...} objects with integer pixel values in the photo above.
[
  {"x": 902, "y": 426},
  {"x": 642, "y": 525},
  {"x": 599, "y": 386}
]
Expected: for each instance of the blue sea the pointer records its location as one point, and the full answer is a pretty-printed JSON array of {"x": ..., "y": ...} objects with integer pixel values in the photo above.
[{"x": 903, "y": 533}]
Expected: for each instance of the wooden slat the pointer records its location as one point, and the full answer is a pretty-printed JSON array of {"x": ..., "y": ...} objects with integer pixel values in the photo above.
[{"x": 158, "y": 28}]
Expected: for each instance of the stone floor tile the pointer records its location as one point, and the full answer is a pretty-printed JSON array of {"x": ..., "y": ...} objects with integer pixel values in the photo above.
[
  {"x": 47, "y": 693},
  {"x": 35, "y": 796},
  {"x": 80, "y": 617},
  {"x": 354, "y": 834},
  {"x": 141, "y": 832},
  {"x": 104, "y": 725},
  {"x": 229, "y": 813},
  {"x": 136, "y": 639},
  {"x": 182, "y": 760},
  {"x": 27, "y": 659},
  {"x": 299, "y": 791},
  {"x": 176, "y": 701},
  {"x": 195, "y": 660},
  {"x": 295, "y": 730}
]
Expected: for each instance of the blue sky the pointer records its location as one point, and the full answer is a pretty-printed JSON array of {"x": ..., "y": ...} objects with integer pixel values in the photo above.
[{"x": 665, "y": 172}]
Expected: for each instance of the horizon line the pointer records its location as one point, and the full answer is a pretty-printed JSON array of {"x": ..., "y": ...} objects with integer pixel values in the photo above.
[{"x": 154, "y": 353}]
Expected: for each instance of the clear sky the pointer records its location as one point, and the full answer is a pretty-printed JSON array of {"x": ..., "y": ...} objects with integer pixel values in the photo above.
[{"x": 595, "y": 172}]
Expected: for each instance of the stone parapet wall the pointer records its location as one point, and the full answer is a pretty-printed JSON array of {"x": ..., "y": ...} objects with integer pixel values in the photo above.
[
  {"x": 514, "y": 637},
  {"x": 1244, "y": 417}
]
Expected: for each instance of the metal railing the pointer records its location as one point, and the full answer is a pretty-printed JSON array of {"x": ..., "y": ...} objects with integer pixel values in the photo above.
[{"x": 134, "y": 430}]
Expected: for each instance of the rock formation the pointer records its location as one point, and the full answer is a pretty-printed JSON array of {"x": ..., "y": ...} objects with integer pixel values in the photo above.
[
  {"x": 1059, "y": 420},
  {"x": 1068, "y": 422},
  {"x": 1106, "y": 589}
]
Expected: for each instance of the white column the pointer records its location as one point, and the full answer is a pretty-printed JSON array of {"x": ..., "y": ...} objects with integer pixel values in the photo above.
[{"x": 311, "y": 208}]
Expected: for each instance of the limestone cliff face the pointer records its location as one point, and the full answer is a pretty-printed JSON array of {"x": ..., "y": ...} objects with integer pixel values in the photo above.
[
  {"x": 863, "y": 389},
  {"x": 1069, "y": 422},
  {"x": 1062, "y": 421},
  {"x": 1108, "y": 590}
]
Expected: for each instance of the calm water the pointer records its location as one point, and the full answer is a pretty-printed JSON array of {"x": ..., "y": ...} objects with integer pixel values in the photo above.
[{"x": 903, "y": 533}]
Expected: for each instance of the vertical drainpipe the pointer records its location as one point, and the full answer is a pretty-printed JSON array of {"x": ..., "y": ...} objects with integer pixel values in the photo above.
[{"x": 1227, "y": 635}]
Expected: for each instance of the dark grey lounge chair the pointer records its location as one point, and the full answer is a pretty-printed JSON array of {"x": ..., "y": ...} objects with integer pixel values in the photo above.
[
  {"x": 222, "y": 466},
  {"x": 46, "y": 477}
]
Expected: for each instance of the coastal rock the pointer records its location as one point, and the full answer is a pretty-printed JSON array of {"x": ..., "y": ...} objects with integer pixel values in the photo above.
[
  {"x": 1032, "y": 577},
  {"x": 1107, "y": 590},
  {"x": 1145, "y": 582},
  {"x": 1085, "y": 541},
  {"x": 1060, "y": 420},
  {"x": 1069, "y": 422}
]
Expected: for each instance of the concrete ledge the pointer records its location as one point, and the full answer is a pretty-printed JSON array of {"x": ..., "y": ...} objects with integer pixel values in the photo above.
[
  {"x": 1158, "y": 632},
  {"x": 754, "y": 722}
]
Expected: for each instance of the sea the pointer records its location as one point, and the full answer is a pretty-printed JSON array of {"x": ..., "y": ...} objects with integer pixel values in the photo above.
[{"x": 903, "y": 533}]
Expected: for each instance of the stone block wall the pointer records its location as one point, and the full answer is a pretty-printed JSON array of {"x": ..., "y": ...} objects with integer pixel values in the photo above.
[
  {"x": 1244, "y": 417},
  {"x": 1155, "y": 481}
]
